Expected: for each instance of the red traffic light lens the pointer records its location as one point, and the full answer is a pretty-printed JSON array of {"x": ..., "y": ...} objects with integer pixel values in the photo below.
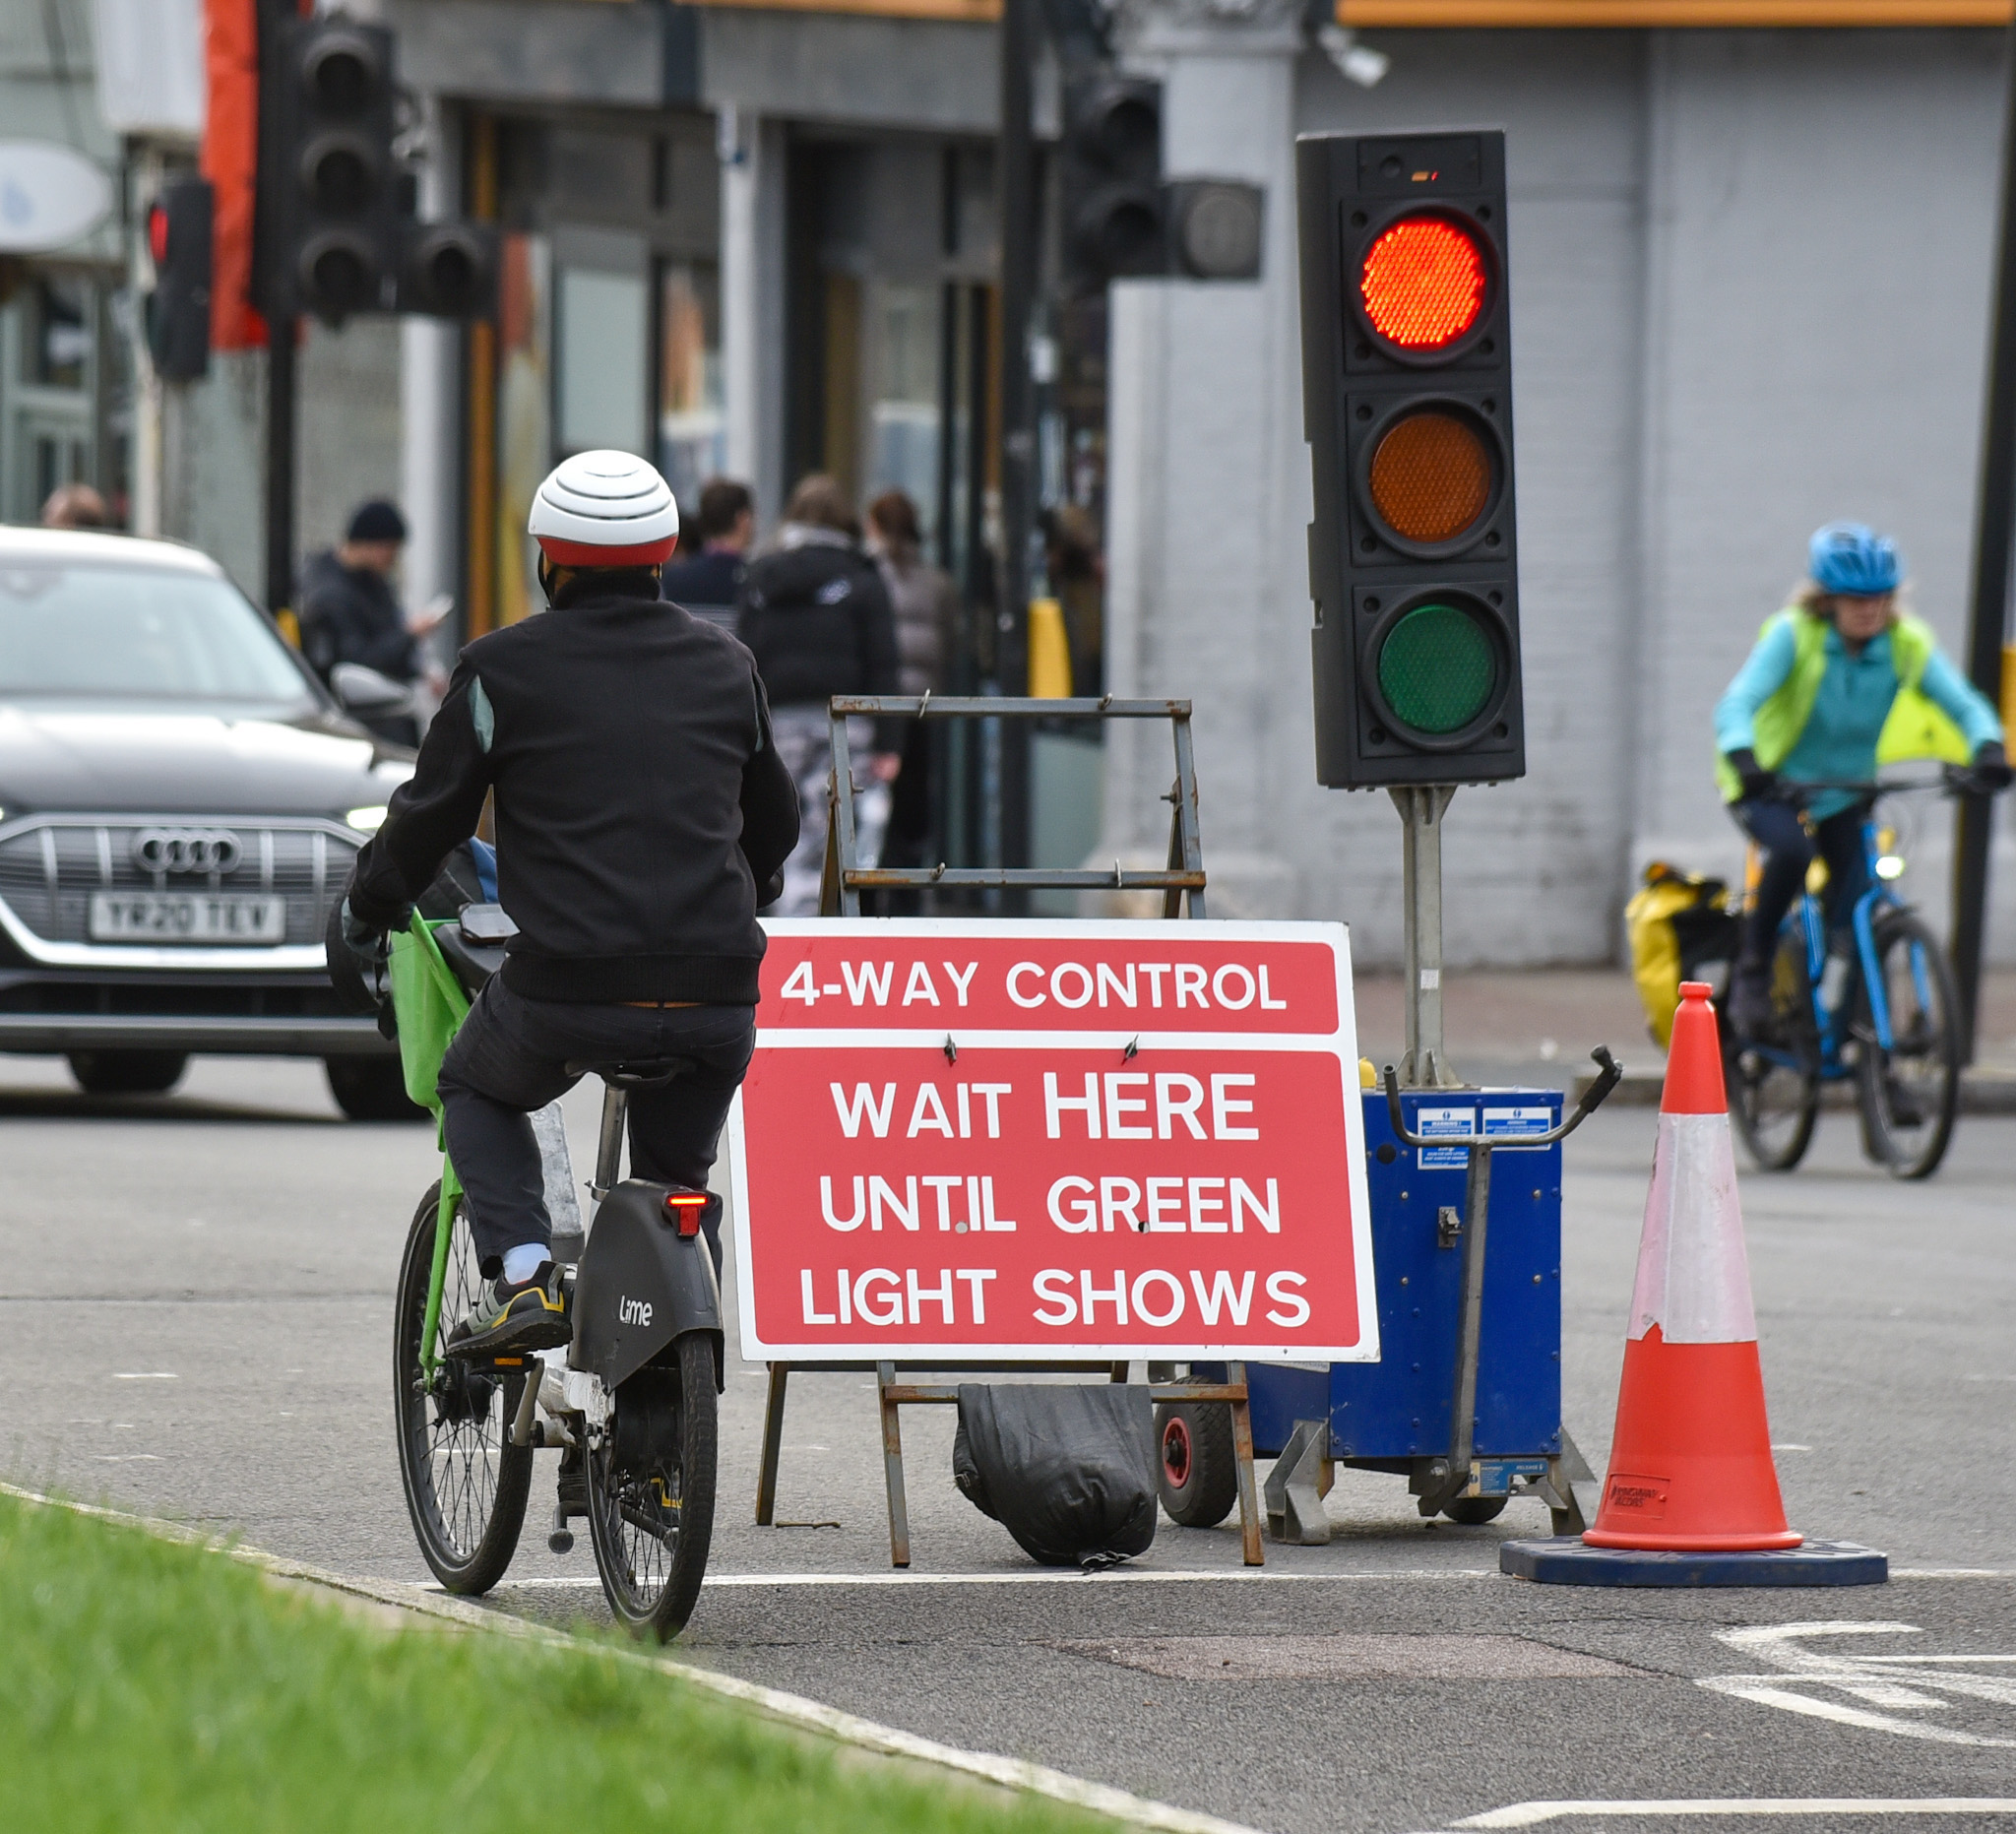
[
  {"x": 157, "y": 234},
  {"x": 1423, "y": 283},
  {"x": 1430, "y": 476}
]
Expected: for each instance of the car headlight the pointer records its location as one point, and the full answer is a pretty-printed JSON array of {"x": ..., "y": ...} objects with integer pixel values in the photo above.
[{"x": 368, "y": 820}]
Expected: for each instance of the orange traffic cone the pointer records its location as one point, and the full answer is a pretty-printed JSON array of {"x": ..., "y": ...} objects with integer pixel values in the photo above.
[{"x": 1690, "y": 1461}]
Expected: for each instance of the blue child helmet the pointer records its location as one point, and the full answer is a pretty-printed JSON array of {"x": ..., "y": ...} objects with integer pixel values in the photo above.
[{"x": 1852, "y": 558}]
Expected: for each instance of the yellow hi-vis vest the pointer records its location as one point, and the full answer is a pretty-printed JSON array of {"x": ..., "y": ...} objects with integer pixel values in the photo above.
[{"x": 1916, "y": 728}]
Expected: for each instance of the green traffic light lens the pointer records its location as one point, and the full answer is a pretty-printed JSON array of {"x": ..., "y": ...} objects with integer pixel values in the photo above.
[{"x": 1437, "y": 669}]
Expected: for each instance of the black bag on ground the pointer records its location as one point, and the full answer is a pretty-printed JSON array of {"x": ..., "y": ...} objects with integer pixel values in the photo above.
[{"x": 1068, "y": 1471}]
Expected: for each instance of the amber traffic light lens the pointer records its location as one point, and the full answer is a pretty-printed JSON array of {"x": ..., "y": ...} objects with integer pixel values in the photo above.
[
  {"x": 1430, "y": 476},
  {"x": 1423, "y": 283}
]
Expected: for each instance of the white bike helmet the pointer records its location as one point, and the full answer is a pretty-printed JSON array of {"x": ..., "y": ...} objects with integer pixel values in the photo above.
[{"x": 604, "y": 509}]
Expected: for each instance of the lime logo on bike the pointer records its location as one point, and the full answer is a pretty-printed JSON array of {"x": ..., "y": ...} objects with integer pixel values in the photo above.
[{"x": 633, "y": 1312}]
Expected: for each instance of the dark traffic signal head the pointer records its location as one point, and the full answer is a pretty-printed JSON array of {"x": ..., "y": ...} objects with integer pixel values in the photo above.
[
  {"x": 336, "y": 205},
  {"x": 179, "y": 242},
  {"x": 448, "y": 270},
  {"x": 1111, "y": 179},
  {"x": 1408, "y": 409}
]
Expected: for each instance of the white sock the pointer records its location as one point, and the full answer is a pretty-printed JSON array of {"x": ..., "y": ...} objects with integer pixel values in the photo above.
[{"x": 523, "y": 1262}]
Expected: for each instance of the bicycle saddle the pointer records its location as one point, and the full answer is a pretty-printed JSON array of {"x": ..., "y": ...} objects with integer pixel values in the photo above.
[{"x": 636, "y": 1073}]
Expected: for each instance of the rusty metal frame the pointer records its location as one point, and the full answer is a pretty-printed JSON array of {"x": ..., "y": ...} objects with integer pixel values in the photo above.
[{"x": 844, "y": 878}]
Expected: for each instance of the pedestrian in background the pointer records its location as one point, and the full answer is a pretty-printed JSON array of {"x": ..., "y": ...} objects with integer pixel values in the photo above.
[
  {"x": 350, "y": 614},
  {"x": 709, "y": 583},
  {"x": 815, "y": 613},
  {"x": 76, "y": 506},
  {"x": 926, "y": 604}
]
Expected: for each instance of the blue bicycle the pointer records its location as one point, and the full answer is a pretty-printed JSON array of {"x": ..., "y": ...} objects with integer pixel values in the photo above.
[{"x": 1879, "y": 1011}]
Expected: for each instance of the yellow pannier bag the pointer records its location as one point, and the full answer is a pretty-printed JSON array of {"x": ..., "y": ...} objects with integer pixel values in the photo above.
[{"x": 1675, "y": 922}]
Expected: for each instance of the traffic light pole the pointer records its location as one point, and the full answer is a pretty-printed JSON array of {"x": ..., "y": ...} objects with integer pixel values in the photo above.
[
  {"x": 1989, "y": 607},
  {"x": 1017, "y": 192},
  {"x": 280, "y": 463},
  {"x": 1422, "y": 808}
]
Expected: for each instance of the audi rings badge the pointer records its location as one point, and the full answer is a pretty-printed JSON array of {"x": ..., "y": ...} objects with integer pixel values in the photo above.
[{"x": 186, "y": 849}]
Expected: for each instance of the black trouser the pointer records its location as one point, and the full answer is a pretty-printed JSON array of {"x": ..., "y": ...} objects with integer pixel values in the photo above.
[
  {"x": 1789, "y": 847},
  {"x": 511, "y": 1058}
]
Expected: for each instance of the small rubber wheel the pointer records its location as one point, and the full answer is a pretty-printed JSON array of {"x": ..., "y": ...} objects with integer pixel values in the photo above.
[
  {"x": 1196, "y": 1468},
  {"x": 1474, "y": 1511},
  {"x": 371, "y": 1089},
  {"x": 128, "y": 1072}
]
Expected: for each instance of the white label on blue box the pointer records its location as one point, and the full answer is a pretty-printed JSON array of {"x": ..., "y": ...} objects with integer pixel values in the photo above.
[
  {"x": 1448, "y": 1123},
  {"x": 1510, "y": 1124}
]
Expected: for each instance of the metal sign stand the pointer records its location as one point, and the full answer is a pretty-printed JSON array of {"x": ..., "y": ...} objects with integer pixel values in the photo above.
[{"x": 840, "y": 896}]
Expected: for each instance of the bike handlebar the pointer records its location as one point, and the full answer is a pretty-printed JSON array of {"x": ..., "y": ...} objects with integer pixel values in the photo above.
[{"x": 1953, "y": 780}]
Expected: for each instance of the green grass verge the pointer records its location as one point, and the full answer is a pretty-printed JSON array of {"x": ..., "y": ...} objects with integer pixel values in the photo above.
[{"x": 149, "y": 1684}]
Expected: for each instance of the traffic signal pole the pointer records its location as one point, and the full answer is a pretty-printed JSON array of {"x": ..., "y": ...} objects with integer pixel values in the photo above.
[
  {"x": 282, "y": 327},
  {"x": 1421, "y": 807},
  {"x": 1989, "y": 605},
  {"x": 1016, "y": 154}
]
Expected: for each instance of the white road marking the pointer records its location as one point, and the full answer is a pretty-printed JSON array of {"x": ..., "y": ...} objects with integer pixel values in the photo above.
[
  {"x": 144, "y": 1375},
  {"x": 1240, "y": 1574},
  {"x": 1531, "y": 1814},
  {"x": 1900, "y": 1684}
]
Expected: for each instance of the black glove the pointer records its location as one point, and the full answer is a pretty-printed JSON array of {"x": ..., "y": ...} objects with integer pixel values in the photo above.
[
  {"x": 1991, "y": 767},
  {"x": 1757, "y": 780}
]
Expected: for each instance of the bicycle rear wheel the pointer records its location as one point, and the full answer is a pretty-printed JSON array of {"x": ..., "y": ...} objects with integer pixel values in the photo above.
[
  {"x": 1908, "y": 1095},
  {"x": 465, "y": 1483},
  {"x": 650, "y": 1477},
  {"x": 1774, "y": 1084}
]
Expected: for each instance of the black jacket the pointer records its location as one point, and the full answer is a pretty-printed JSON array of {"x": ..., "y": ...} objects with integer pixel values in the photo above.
[
  {"x": 348, "y": 614},
  {"x": 640, "y": 804},
  {"x": 817, "y": 619},
  {"x": 712, "y": 579}
]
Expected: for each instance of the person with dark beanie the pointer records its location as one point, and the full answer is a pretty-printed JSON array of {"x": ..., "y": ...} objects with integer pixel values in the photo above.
[
  {"x": 350, "y": 612},
  {"x": 641, "y": 814}
]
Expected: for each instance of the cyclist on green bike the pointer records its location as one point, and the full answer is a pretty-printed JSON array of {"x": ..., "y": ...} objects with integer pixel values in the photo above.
[
  {"x": 1811, "y": 705},
  {"x": 641, "y": 815}
]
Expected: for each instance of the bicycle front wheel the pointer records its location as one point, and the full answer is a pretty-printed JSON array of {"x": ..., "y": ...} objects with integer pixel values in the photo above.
[
  {"x": 1774, "y": 1083},
  {"x": 1910, "y": 1093},
  {"x": 465, "y": 1483},
  {"x": 650, "y": 1474}
]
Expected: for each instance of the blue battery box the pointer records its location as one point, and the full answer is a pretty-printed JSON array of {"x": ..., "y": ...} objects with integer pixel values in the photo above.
[{"x": 1394, "y": 1413}]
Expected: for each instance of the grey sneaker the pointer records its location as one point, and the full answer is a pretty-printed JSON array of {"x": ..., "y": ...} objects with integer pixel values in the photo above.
[{"x": 531, "y": 1314}]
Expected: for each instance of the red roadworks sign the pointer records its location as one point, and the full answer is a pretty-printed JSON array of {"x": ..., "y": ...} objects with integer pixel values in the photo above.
[{"x": 1053, "y": 1140}]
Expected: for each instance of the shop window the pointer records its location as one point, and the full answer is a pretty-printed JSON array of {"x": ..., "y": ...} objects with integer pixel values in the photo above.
[
  {"x": 604, "y": 360},
  {"x": 692, "y": 439},
  {"x": 57, "y": 349},
  {"x": 903, "y": 410}
]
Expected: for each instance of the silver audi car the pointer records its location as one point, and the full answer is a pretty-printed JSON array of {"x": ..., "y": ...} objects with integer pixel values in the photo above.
[{"x": 180, "y": 802}]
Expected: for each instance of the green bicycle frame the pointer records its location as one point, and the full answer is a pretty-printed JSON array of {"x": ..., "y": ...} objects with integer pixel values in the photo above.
[{"x": 429, "y": 1005}]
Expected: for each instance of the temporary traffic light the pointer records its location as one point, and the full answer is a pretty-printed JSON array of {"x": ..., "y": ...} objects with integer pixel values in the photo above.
[
  {"x": 1406, "y": 388},
  {"x": 334, "y": 246},
  {"x": 178, "y": 229}
]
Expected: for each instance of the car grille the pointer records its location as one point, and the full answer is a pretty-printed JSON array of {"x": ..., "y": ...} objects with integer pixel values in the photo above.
[{"x": 49, "y": 868}]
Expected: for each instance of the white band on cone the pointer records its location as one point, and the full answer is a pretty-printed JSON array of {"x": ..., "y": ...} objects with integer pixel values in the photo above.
[{"x": 1693, "y": 1276}]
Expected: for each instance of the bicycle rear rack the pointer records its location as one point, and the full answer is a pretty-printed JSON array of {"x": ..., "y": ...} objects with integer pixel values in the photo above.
[{"x": 846, "y": 878}]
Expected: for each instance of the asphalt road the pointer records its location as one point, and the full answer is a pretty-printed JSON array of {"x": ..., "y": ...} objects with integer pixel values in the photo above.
[{"x": 196, "y": 1292}]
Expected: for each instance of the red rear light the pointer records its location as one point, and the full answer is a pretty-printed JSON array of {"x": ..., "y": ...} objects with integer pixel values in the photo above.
[
  {"x": 1423, "y": 283},
  {"x": 685, "y": 1208},
  {"x": 158, "y": 234}
]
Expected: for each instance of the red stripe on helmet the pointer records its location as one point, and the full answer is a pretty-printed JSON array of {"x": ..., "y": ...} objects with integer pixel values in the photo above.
[{"x": 593, "y": 554}]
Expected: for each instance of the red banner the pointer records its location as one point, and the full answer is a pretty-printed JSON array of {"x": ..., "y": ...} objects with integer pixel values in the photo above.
[{"x": 1053, "y": 1141}]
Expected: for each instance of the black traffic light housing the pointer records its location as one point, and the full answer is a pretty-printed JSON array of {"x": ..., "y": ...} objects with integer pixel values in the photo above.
[
  {"x": 1407, "y": 389},
  {"x": 332, "y": 181},
  {"x": 1112, "y": 203},
  {"x": 178, "y": 240},
  {"x": 448, "y": 270}
]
